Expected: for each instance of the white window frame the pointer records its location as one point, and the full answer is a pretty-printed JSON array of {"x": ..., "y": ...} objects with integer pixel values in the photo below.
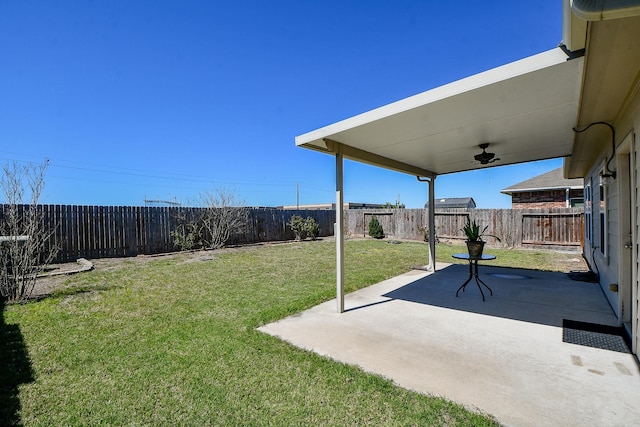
[
  {"x": 588, "y": 212},
  {"x": 603, "y": 214}
]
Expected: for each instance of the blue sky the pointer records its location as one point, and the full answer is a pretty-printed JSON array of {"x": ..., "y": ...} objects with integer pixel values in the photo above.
[{"x": 167, "y": 99}]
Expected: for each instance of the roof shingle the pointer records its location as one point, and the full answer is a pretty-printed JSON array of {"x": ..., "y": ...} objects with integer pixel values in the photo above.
[{"x": 552, "y": 180}]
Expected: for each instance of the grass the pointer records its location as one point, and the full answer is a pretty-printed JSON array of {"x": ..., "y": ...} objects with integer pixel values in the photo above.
[
  {"x": 523, "y": 258},
  {"x": 173, "y": 341}
]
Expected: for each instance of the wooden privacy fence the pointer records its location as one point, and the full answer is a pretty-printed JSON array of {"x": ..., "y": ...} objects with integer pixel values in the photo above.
[
  {"x": 550, "y": 228},
  {"x": 121, "y": 231}
]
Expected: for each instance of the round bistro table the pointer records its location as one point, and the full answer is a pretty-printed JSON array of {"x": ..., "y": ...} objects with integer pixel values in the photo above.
[{"x": 473, "y": 271}]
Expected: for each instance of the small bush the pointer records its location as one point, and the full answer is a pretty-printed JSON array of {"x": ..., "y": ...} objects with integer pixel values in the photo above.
[
  {"x": 375, "y": 229},
  {"x": 224, "y": 215},
  {"x": 304, "y": 227},
  {"x": 425, "y": 233},
  {"x": 298, "y": 226},
  {"x": 312, "y": 227},
  {"x": 187, "y": 236}
]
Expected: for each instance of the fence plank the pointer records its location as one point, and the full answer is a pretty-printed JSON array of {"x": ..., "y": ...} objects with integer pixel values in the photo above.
[
  {"x": 115, "y": 231},
  {"x": 109, "y": 231},
  {"x": 515, "y": 227}
]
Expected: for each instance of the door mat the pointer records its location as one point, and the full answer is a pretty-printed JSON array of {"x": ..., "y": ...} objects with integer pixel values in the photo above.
[
  {"x": 584, "y": 276},
  {"x": 606, "y": 337}
]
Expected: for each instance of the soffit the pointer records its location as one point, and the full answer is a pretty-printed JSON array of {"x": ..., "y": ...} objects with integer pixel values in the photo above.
[
  {"x": 525, "y": 110},
  {"x": 611, "y": 70}
]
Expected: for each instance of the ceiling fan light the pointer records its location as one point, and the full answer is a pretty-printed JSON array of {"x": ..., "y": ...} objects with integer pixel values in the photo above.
[{"x": 485, "y": 158}]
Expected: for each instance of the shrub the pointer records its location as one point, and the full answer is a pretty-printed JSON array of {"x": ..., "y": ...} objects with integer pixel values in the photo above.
[
  {"x": 298, "y": 226},
  {"x": 187, "y": 236},
  {"x": 303, "y": 227},
  {"x": 312, "y": 228},
  {"x": 425, "y": 233},
  {"x": 375, "y": 229},
  {"x": 224, "y": 215}
]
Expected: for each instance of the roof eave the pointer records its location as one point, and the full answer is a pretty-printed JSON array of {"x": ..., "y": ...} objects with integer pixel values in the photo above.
[{"x": 526, "y": 190}]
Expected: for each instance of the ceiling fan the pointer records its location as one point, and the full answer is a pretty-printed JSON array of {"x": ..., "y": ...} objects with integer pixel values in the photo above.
[{"x": 485, "y": 158}]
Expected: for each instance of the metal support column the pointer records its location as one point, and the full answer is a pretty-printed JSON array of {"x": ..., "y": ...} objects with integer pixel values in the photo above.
[
  {"x": 339, "y": 231},
  {"x": 432, "y": 224}
]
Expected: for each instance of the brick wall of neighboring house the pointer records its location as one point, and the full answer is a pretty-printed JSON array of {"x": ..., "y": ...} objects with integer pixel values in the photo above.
[{"x": 543, "y": 199}]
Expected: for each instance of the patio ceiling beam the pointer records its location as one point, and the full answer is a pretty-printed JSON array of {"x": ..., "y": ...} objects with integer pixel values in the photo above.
[{"x": 363, "y": 156}]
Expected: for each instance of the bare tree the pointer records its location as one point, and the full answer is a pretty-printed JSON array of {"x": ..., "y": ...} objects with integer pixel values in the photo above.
[
  {"x": 224, "y": 214},
  {"x": 24, "y": 249}
]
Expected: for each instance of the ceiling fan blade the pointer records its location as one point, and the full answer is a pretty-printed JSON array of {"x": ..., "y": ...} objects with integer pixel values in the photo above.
[{"x": 485, "y": 158}]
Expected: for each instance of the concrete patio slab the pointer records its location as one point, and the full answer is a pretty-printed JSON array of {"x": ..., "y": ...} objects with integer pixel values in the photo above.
[{"x": 504, "y": 357}]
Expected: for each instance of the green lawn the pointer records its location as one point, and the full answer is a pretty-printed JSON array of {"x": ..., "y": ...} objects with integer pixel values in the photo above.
[
  {"x": 173, "y": 341},
  {"x": 535, "y": 259}
]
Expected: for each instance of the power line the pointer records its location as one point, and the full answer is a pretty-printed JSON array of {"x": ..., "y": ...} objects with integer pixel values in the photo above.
[{"x": 155, "y": 175}]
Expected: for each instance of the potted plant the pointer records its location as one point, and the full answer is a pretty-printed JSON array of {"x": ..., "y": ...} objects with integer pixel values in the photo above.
[{"x": 474, "y": 241}]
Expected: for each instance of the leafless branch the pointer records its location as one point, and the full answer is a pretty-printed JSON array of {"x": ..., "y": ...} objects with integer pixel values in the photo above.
[
  {"x": 223, "y": 216},
  {"x": 24, "y": 241}
]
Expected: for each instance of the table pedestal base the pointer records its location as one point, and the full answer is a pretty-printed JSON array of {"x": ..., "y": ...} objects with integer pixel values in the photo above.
[{"x": 473, "y": 274}]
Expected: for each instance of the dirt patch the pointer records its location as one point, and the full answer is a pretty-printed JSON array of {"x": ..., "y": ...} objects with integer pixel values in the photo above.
[
  {"x": 566, "y": 263},
  {"x": 56, "y": 275}
]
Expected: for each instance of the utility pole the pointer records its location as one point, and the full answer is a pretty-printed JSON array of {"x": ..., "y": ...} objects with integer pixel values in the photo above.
[{"x": 297, "y": 195}]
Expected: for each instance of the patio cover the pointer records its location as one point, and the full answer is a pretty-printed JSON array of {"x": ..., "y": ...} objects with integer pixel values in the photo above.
[{"x": 526, "y": 111}]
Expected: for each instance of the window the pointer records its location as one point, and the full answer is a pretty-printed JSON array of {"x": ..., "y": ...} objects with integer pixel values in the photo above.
[
  {"x": 576, "y": 203},
  {"x": 604, "y": 217},
  {"x": 576, "y": 198},
  {"x": 588, "y": 225}
]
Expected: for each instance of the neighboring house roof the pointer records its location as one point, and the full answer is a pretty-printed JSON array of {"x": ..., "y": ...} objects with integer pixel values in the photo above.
[
  {"x": 552, "y": 180},
  {"x": 454, "y": 202},
  {"x": 321, "y": 206}
]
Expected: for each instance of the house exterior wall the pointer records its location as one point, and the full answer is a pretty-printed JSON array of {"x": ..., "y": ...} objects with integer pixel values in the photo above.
[
  {"x": 634, "y": 131},
  {"x": 607, "y": 243},
  {"x": 602, "y": 235},
  {"x": 628, "y": 127},
  {"x": 544, "y": 199}
]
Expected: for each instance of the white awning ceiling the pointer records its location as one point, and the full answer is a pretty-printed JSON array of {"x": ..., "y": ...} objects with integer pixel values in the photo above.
[{"x": 526, "y": 111}]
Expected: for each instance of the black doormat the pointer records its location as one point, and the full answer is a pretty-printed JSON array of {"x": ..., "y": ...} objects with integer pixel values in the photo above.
[
  {"x": 606, "y": 337},
  {"x": 584, "y": 276}
]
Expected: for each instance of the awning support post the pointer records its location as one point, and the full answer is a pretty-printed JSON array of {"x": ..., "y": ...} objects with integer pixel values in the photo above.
[{"x": 339, "y": 231}]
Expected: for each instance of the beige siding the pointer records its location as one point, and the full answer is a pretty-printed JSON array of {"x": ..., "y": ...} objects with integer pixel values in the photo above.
[{"x": 628, "y": 122}]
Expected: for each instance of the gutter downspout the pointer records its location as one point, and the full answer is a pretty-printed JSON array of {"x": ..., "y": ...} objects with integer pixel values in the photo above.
[{"x": 431, "y": 221}]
